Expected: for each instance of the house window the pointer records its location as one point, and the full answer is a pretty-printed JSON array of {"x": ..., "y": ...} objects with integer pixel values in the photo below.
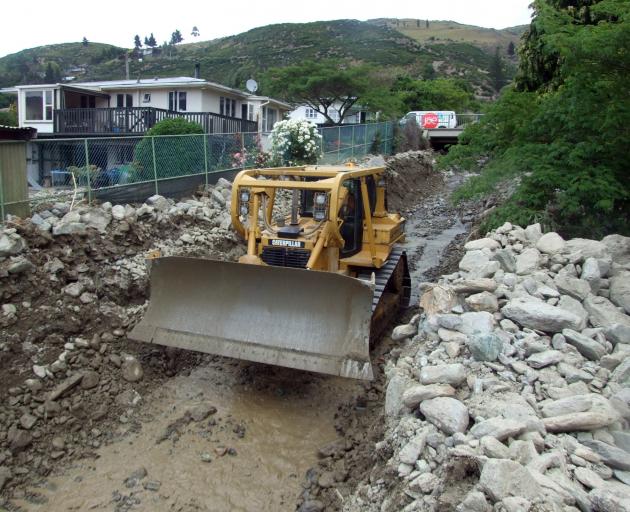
[
  {"x": 177, "y": 100},
  {"x": 269, "y": 118},
  {"x": 39, "y": 105},
  {"x": 250, "y": 112},
  {"x": 227, "y": 107},
  {"x": 124, "y": 100},
  {"x": 310, "y": 113},
  {"x": 146, "y": 98}
]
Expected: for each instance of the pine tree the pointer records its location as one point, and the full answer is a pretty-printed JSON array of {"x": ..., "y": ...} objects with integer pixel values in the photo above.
[
  {"x": 176, "y": 37},
  {"x": 136, "y": 42},
  {"x": 427, "y": 23},
  {"x": 496, "y": 71},
  {"x": 195, "y": 32},
  {"x": 85, "y": 41},
  {"x": 151, "y": 41}
]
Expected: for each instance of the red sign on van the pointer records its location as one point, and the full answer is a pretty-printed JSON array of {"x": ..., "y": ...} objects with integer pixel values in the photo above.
[{"x": 430, "y": 120}]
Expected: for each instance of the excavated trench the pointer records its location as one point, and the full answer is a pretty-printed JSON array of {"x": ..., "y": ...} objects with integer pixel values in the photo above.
[{"x": 231, "y": 435}]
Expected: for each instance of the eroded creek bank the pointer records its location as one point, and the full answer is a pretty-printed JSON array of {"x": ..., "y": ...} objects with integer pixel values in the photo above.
[{"x": 216, "y": 434}]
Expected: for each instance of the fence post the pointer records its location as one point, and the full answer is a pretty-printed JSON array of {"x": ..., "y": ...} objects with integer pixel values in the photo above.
[
  {"x": 87, "y": 170},
  {"x": 154, "y": 164},
  {"x": 1, "y": 197},
  {"x": 205, "y": 156},
  {"x": 243, "y": 150},
  {"x": 365, "y": 130},
  {"x": 352, "y": 141},
  {"x": 339, "y": 144}
]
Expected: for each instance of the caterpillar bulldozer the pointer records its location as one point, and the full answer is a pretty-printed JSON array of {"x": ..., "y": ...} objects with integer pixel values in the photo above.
[{"x": 322, "y": 277}]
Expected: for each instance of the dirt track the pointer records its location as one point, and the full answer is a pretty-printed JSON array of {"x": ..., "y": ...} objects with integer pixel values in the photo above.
[{"x": 278, "y": 437}]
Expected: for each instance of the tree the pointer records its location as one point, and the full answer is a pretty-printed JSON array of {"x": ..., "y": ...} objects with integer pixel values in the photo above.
[
  {"x": 497, "y": 71},
  {"x": 53, "y": 73},
  {"x": 176, "y": 37},
  {"x": 511, "y": 49},
  {"x": 136, "y": 42},
  {"x": 85, "y": 41},
  {"x": 150, "y": 41},
  {"x": 195, "y": 32},
  {"x": 427, "y": 24},
  {"x": 320, "y": 85},
  {"x": 438, "y": 94}
]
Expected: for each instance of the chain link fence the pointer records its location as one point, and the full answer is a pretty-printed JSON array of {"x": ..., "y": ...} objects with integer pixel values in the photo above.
[{"x": 131, "y": 169}]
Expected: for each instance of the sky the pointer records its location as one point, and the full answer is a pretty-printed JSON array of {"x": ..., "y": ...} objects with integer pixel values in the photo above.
[{"x": 40, "y": 22}]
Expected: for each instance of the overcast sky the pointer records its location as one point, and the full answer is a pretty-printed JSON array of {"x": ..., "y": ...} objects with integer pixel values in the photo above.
[{"x": 40, "y": 22}]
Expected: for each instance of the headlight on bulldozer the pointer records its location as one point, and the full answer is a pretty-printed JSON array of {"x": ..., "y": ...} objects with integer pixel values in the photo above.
[
  {"x": 243, "y": 199},
  {"x": 320, "y": 206}
]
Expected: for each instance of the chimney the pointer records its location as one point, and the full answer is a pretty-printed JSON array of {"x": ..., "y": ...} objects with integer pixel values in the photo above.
[{"x": 197, "y": 70}]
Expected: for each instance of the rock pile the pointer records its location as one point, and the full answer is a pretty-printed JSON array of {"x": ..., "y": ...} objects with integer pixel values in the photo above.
[
  {"x": 511, "y": 391},
  {"x": 72, "y": 282}
]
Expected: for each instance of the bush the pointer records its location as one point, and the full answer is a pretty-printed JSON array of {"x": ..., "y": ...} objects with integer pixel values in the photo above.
[
  {"x": 410, "y": 138},
  {"x": 295, "y": 142},
  {"x": 566, "y": 140},
  {"x": 179, "y": 150}
]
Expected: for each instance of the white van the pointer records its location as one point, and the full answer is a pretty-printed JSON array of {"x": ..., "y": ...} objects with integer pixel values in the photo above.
[{"x": 429, "y": 119}]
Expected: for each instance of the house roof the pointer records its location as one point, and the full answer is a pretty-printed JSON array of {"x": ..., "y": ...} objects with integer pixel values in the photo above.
[{"x": 15, "y": 133}]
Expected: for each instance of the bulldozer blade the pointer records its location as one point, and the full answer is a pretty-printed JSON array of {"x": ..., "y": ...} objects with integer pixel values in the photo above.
[{"x": 304, "y": 319}]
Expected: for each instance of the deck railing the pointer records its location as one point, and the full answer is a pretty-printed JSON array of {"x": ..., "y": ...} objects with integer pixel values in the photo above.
[{"x": 137, "y": 120}]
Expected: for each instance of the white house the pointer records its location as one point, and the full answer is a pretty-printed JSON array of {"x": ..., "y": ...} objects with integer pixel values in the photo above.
[
  {"x": 133, "y": 106},
  {"x": 356, "y": 114}
]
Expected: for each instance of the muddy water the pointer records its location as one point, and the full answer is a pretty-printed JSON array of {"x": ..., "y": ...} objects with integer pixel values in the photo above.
[{"x": 285, "y": 415}]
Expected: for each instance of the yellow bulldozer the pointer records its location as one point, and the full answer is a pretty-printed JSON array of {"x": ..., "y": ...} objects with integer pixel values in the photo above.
[{"x": 322, "y": 277}]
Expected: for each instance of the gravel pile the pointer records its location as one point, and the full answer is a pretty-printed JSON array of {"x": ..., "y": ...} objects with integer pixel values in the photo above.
[
  {"x": 510, "y": 391},
  {"x": 72, "y": 283}
]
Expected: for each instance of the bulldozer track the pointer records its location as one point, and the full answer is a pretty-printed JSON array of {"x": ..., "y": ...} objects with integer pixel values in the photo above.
[{"x": 391, "y": 293}]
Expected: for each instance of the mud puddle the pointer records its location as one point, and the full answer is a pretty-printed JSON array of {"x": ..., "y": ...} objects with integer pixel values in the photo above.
[{"x": 251, "y": 454}]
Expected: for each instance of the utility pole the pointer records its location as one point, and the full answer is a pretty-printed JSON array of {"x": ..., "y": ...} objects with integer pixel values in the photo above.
[{"x": 126, "y": 66}]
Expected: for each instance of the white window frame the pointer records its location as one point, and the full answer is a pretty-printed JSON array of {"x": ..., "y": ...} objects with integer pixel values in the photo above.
[
  {"x": 146, "y": 98},
  {"x": 310, "y": 113},
  {"x": 48, "y": 102},
  {"x": 174, "y": 99}
]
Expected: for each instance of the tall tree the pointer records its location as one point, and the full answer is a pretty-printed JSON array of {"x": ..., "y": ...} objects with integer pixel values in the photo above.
[
  {"x": 151, "y": 41},
  {"x": 176, "y": 37},
  {"x": 52, "y": 74},
  {"x": 136, "y": 42},
  {"x": 85, "y": 41},
  {"x": 427, "y": 25},
  {"x": 195, "y": 31},
  {"x": 323, "y": 86},
  {"x": 497, "y": 71},
  {"x": 511, "y": 49}
]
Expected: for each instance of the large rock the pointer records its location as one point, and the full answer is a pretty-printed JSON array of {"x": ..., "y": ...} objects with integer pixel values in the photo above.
[
  {"x": 591, "y": 273},
  {"x": 621, "y": 374},
  {"x": 603, "y": 499},
  {"x": 603, "y": 313},
  {"x": 586, "y": 346},
  {"x": 453, "y": 374},
  {"x": 414, "y": 395},
  {"x": 610, "y": 454},
  {"x": 501, "y": 478},
  {"x": 545, "y": 358},
  {"x": 480, "y": 322},
  {"x": 404, "y": 331},
  {"x": 485, "y": 347},
  {"x": 482, "y": 284},
  {"x": 506, "y": 259},
  {"x": 482, "y": 243},
  {"x": 588, "y": 248},
  {"x": 619, "y": 248},
  {"x": 499, "y": 428},
  {"x": 574, "y": 306},
  {"x": 70, "y": 228},
  {"x": 576, "y": 288},
  {"x": 473, "y": 260},
  {"x": 620, "y": 290},
  {"x": 580, "y": 412},
  {"x": 448, "y": 414},
  {"x": 96, "y": 218},
  {"x": 438, "y": 299},
  {"x": 396, "y": 387},
  {"x": 550, "y": 243},
  {"x": 540, "y": 315},
  {"x": 618, "y": 333},
  {"x": 11, "y": 244},
  {"x": 132, "y": 369},
  {"x": 411, "y": 452},
  {"x": 528, "y": 261},
  {"x": 484, "y": 301}
]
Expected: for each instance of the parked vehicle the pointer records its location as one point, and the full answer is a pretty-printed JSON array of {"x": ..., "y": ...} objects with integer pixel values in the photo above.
[{"x": 429, "y": 119}]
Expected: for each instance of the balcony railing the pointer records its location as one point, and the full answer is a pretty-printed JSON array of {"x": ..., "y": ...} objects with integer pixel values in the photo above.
[{"x": 137, "y": 120}]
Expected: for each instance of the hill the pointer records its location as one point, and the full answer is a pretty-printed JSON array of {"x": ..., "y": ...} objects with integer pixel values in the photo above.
[
  {"x": 450, "y": 31},
  {"x": 232, "y": 60}
]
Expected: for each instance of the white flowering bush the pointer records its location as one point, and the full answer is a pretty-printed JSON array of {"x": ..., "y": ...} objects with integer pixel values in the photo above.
[{"x": 295, "y": 142}]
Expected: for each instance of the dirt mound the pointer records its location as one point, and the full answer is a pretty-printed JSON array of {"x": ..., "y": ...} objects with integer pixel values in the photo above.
[{"x": 411, "y": 177}]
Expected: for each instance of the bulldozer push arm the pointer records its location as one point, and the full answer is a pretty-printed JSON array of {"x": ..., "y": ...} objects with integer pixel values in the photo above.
[{"x": 311, "y": 286}]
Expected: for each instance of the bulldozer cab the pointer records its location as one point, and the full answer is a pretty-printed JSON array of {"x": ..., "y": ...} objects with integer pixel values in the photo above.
[{"x": 304, "y": 294}]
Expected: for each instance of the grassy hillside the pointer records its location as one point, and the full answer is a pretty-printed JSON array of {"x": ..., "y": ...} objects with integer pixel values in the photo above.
[
  {"x": 232, "y": 60},
  {"x": 450, "y": 31}
]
